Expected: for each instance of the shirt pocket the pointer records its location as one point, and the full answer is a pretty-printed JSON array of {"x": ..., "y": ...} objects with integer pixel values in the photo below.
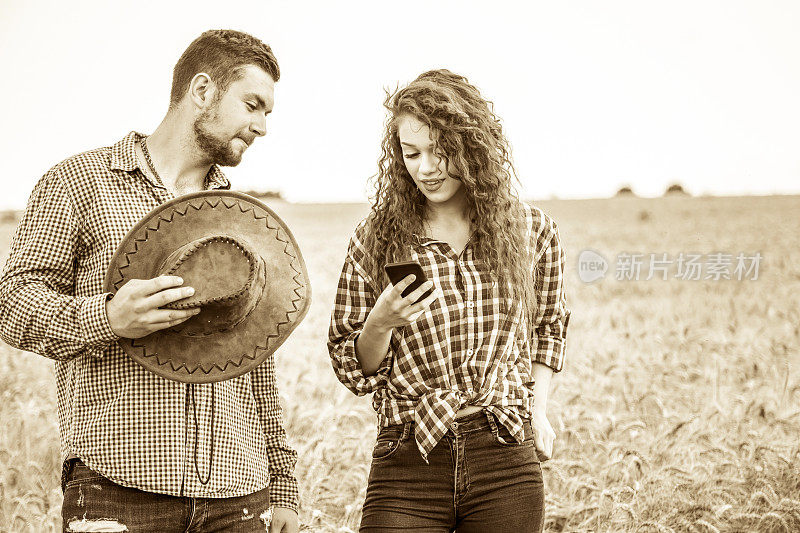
[{"x": 98, "y": 382}]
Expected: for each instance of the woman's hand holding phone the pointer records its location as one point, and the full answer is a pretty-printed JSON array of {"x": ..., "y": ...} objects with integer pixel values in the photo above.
[{"x": 392, "y": 310}]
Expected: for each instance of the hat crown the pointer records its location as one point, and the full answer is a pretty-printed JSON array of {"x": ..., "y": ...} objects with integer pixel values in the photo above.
[
  {"x": 227, "y": 276},
  {"x": 218, "y": 267}
]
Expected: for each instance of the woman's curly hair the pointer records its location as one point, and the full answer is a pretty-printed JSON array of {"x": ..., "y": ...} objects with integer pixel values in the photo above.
[{"x": 468, "y": 135}]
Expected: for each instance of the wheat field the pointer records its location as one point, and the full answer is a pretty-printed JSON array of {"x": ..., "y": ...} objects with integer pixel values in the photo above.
[{"x": 678, "y": 408}]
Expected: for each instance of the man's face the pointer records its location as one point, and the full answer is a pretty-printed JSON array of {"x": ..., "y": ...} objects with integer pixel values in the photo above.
[{"x": 236, "y": 117}]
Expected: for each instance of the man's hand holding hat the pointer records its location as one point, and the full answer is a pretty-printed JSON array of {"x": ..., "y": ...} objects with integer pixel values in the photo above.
[{"x": 134, "y": 311}]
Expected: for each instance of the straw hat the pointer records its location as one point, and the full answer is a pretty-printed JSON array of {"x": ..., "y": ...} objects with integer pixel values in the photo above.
[{"x": 250, "y": 283}]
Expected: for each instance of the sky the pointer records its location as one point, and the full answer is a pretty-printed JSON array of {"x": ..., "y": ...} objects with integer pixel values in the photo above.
[{"x": 593, "y": 95}]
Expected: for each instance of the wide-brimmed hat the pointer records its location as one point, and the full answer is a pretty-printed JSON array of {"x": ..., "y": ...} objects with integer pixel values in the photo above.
[{"x": 250, "y": 282}]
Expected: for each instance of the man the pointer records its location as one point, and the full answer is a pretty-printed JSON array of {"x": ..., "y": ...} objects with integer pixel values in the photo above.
[{"x": 140, "y": 451}]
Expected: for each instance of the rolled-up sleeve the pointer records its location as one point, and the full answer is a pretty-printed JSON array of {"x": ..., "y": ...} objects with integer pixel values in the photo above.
[
  {"x": 549, "y": 331},
  {"x": 355, "y": 298},
  {"x": 38, "y": 311}
]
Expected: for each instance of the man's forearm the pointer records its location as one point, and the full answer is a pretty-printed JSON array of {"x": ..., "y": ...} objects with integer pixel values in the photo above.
[{"x": 35, "y": 318}]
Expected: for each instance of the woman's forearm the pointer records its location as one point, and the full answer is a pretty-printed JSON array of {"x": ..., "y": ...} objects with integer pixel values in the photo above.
[
  {"x": 371, "y": 346},
  {"x": 541, "y": 386}
]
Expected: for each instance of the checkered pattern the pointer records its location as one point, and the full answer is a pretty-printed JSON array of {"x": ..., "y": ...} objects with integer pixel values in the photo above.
[
  {"x": 130, "y": 425},
  {"x": 471, "y": 347}
]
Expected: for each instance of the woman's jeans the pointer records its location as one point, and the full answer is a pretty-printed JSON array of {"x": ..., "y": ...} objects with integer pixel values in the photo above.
[
  {"x": 94, "y": 503},
  {"x": 478, "y": 480}
]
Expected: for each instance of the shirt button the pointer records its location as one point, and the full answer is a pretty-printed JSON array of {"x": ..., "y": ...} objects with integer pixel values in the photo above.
[
  {"x": 469, "y": 352},
  {"x": 470, "y": 304}
]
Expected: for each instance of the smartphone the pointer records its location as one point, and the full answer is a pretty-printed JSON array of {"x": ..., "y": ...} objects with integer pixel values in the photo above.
[{"x": 399, "y": 271}]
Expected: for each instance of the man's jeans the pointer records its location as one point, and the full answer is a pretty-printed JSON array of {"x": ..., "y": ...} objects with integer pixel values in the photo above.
[
  {"x": 92, "y": 501},
  {"x": 478, "y": 480}
]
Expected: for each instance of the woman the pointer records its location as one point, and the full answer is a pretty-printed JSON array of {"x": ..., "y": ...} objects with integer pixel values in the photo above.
[{"x": 459, "y": 379}]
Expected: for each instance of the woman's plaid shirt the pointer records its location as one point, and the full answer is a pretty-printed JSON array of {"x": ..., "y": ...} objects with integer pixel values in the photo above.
[
  {"x": 468, "y": 348},
  {"x": 124, "y": 422}
]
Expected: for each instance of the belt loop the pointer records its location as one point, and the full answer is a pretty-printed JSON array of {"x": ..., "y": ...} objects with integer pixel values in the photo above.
[
  {"x": 492, "y": 424},
  {"x": 527, "y": 430},
  {"x": 406, "y": 431},
  {"x": 66, "y": 471}
]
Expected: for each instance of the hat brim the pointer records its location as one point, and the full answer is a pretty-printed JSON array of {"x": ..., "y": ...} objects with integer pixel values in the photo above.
[{"x": 222, "y": 355}]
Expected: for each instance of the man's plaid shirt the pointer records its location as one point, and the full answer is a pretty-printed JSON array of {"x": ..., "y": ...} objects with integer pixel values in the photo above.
[
  {"x": 128, "y": 424},
  {"x": 471, "y": 347}
]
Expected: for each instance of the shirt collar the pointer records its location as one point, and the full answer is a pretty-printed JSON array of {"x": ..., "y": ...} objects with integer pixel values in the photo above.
[
  {"x": 123, "y": 154},
  {"x": 215, "y": 179},
  {"x": 422, "y": 240},
  {"x": 123, "y": 157}
]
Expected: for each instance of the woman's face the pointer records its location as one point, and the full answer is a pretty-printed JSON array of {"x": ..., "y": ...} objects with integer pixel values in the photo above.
[{"x": 428, "y": 170}]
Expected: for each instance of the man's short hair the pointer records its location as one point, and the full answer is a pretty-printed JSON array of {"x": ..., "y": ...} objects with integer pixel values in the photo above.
[{"x": 222, "y": 54}]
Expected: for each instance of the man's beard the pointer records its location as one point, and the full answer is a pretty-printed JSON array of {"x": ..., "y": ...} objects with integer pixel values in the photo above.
[{"x": 219, "y": 151}]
